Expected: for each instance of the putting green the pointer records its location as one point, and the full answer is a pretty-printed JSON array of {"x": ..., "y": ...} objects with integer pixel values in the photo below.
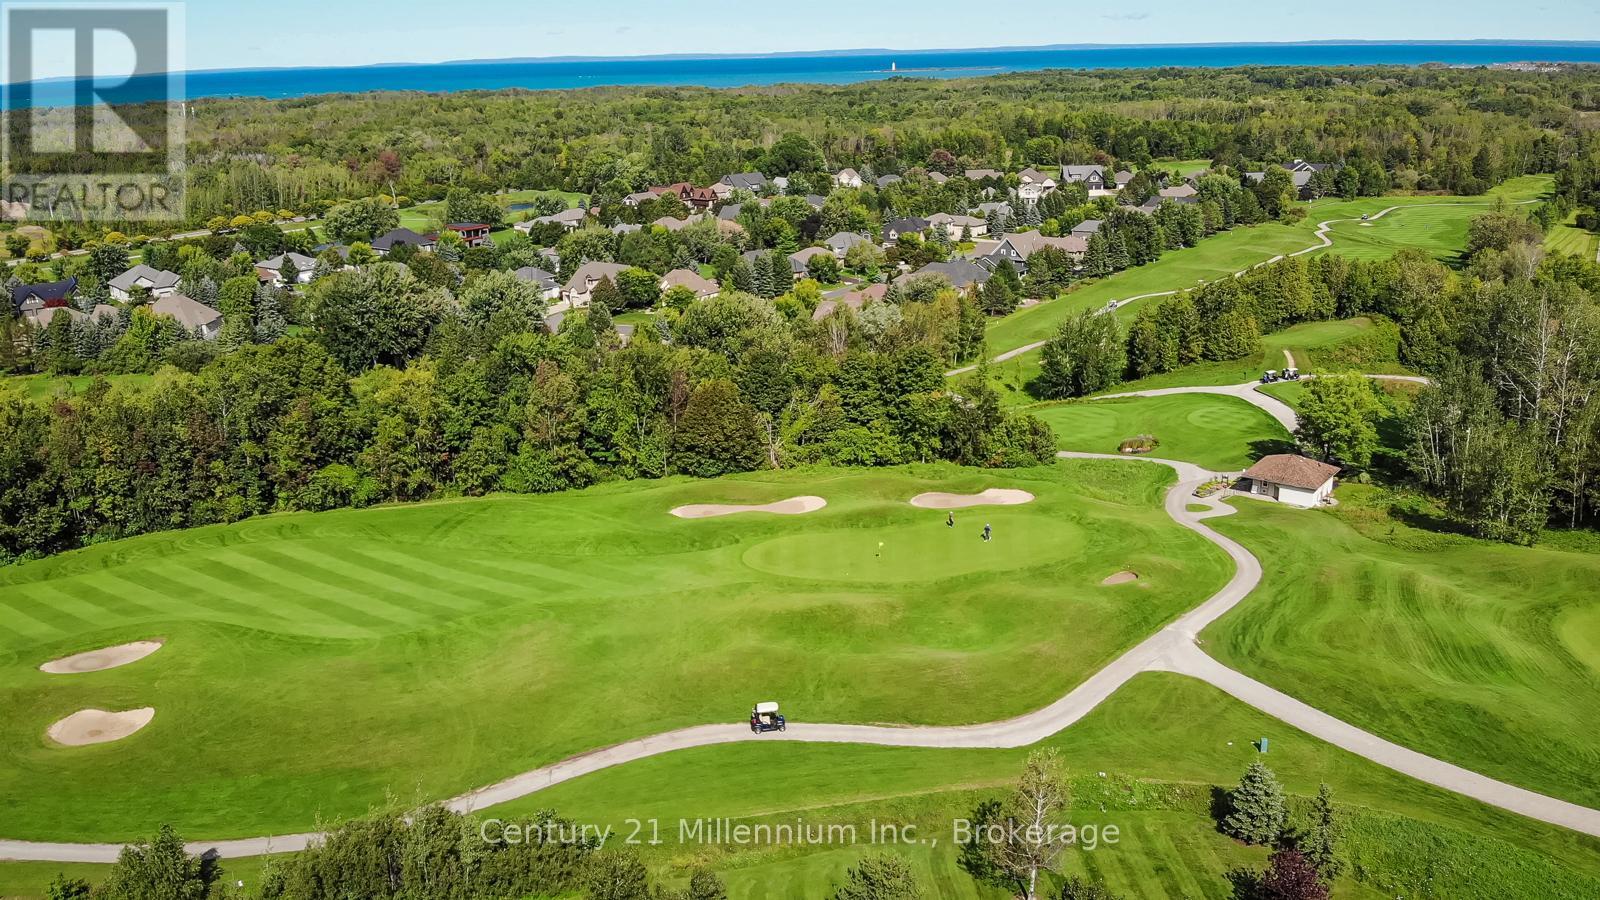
[
  {"x": 1223, "y": 433},
  {"x": 927, "y": 550},
  {"x": 314, "y": 664}
]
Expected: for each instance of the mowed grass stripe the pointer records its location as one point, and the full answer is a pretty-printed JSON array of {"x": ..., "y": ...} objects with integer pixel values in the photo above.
[
  {"x": 400, "y": 566},
  {"x": 528, "y": 583},
  {"x": 1158, "y": 852},
  {"x": 56, "y": 616},
  {"x": 270, "y": 593},
  {"x": 1197, "y": 858},
  {"x": 401, "y": 603},
  {"x": 284, "y": 570},
  {"x": 307, "y": 609},
  {"x": 456, "y": 572},
  {"x": 126, "y": 605},
  {"x": 72, "y": 604},
  {"x": 443, "y": 597},
  {"x": 15, "y": 620},
  {"x": 208, "y": 592}
]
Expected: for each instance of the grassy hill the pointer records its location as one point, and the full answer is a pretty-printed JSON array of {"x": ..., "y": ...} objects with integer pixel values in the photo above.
[{"x": 1222, "y": 433}]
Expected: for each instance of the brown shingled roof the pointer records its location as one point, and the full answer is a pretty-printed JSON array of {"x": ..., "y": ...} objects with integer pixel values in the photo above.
[{"x": 1294, "y": 471}]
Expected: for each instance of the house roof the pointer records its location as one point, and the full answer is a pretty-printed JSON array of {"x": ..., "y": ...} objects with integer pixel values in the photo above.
[
  {"x": 886, "y": 180},
  {"x": 157, "y": 278},
  {"x": 1181, "y": 190},
  {"x": 938, "y": 177},
  {"x": 844, "y": 240},
  {"x": 594, "y": 272},
  {"x": 642, "y": 196},
  {"x": 1080, "y": 173},
  {"x": 905, "y": 224},
  {"x": 1034, "y": 175},
  {"x": 545, "y": 280},
  {"x": 816, "y": 201},
  {"x": 1123, "y": 177},
  {"x": 959, "y": 272},
  {"x": 190, "y": 314},
  {"x": 301, "y": 263},
  {"x": 804, "y": 256},
  {"x": 671, "y": 224},
  {"x": 979, "y": 174},
  {"x": 848, "y": 173},
  {"x": 850, "y": 298},
  {"x": 991, "y": 206},
  {"x": 750, "y": 181},
  {"x": 962, "y": 221},
  {"x": 1087, "y": 226},
  {"x": 1292, "y": 470},
  {"x": 399, "y": 236},
  {"x": 1028, "y": 243},
  {"x": 730, "y": 211},
  {"x": 49, "y": 292},
  {"x": 625, "y": 228},
  {"x": 694, "y": 281}
]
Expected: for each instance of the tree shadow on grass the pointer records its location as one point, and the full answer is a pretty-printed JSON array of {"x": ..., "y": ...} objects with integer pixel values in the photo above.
[{"x": 1269, "y": 446}]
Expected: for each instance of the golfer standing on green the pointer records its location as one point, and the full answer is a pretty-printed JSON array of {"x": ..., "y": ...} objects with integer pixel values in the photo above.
[
  {"x": 988, "y": 530},
  {"x": 950, "y": 520}
]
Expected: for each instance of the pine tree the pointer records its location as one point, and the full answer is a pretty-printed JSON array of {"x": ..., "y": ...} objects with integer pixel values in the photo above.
[
  {"x": 761, "y": 277},
  {"x": 742, "y": 277},
  {"x": 1256, "y": 808},
  {"x": 1097, "y": 258},
  {"x": 606, "y": 294},
  {"x": 1323, "y": 835},
  {"x": 1117, "y": 255},
  {"x": 880, "y": 877},
  {"x": 270, "y": 324},
  {"x": 996, "y": 223}
]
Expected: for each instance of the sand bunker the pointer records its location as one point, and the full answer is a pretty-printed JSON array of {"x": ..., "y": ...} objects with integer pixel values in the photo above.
[
  {"x": 100, "y": 660},
  {"x": 96, "y": 726},
  {"x": 991, "y": 497},
  {"x": 1120, "y": 578},
  {"x": 793, "y": 506}
]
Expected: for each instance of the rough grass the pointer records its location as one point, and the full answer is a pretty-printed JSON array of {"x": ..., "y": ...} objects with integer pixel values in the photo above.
[
  {"x": 1478, "y": 653},
  {"x": 1159, "y": 726},
  {"x": 41, "y": 387},
  {"x": 1221, "y": 433},
  {"x": 428, "y": 649}
]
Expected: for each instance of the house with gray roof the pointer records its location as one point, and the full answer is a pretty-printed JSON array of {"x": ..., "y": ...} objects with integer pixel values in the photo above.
[
  {"x": 159, "y": 282},
  {"x": 286, "y": 268},
  {"x": 1087, "y": 228},
  {"x": 961, "y": 273},
  {"x": 401, "y": 237},
  {"x": 894, "y": 228},
  {"x": 1091, "y": 177},
  {"x": 549, "y": 287},
  {"x": 194, "y": 316},
  {"x": 703, "y": 287},
  {"x": 841, "y": 243},
  {"x": 886, "y": 180},
  {"x": 580, "y": 287},
  {"x": 980, "y": 174}
]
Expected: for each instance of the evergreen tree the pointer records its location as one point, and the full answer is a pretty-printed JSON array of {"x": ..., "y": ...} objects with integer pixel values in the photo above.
[
  {"x": 158, "y": 870},
  {"x": 880, "y": 877},
  {"x": 1256, "y": 807},
  {"x": 998, "y": 299},
  {"x": 605, "y": 294},
  {"x": 1097, "y": 258},
  {"x": 705, "y": 885},
  {"x": 716, "y": 433},
  {"x": 741, "y": 277},
  {"x": 1290, "y": 876},
  {"x": 1117, "y": 255},
  {"x": 1323, "y": 837}
]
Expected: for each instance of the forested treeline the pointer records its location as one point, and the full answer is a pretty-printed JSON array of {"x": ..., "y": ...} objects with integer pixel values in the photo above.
[
  {"x": 405, "y": 393},
  {"x": 1458, "y": 130}
]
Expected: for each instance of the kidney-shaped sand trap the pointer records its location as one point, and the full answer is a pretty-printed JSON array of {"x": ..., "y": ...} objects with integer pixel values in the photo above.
[
  {"x": 793, "y": 506},
  {"x": 991, "y": 497},
  {"x": 96, "y": 726},
  {"x": 1120, "y": 578},
  {"x": 102, "y": 659}
]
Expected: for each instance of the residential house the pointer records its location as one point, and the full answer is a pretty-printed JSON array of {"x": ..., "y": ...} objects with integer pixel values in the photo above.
[
  {"x": 780, "y": 184},
  {"x": 50, "y": 295},
  {"x": 841, "y": 243},
  {"x": 570, "y": 219},
  {"x": 41, "y": 318},
  {"x": 1091, "y": 177},
  {"x": 1178, "y": 191},
  {"x": 1288, "y": 478},
  {"x": 158, "y": 282},
  {"x": 796, "y": 268},
  {"x": 847, "y": 297},
  {"x": 625, "y": 228},
  {"x": 847, "y": 178},
  {"x": 938, "y": 177},
  {"x": 1087, "y": 228},
  {"x": 959, "y": 226},
  {"x": 194, "y": 316},
  {"x": 802, "y": 258},
  {"x": 473, "y": 234},
  {"x": 401, "y": 237},
  {"x": 754, "y": 182},
  {"x": 580, "y": 287},
  {"x": 894, "y": 228},
  {"x": 694, "y": 197},
  {"x": 1033, "y": 184},
  {"x": 549, "y": 287},
  {"x": 886, "y": 180},
  {"x": 961, "y": 273},
  {"x": 634, "y": 200},
  {"x": 730, "y": 212},
  {"x": 286, "y": 268},
  {"x": 983, "y": 209},
  {"x": 816, "y": 201},
  {"x": 980, "y": 174},
  {"x": 704, "y": 288},
  {"x": 1122, "y": 178},
  {"x": 671, "y": 224},
  {"x": 1018, "y": 247}
]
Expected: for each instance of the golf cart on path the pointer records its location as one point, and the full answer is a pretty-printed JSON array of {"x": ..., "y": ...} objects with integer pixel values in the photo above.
[
  {"x": 765, "y": 718},
  {"x": 1269, "y": 376}
]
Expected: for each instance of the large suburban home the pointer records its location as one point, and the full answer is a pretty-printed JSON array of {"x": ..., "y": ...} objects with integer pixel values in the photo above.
[
  {"x": 1122, "y": 178},
  {"x": 796, "y": 267},
  {"x": 1091, "y": 177},
  {"x": 1087, "y": 228},
  {"x": 473, "y": 234},
  {"x": 894, "y": 228},
  {"x": 694, "y": 197},
  {"x": 703, "y": 287},
  {"x": 50, "y": 295},
  {"x": 635, "y": 200},
  {"x": 401, "y": 237},
  {"x": 886, "y": 180},
  {"x": 570, "y": 219},
  {"x": 1291, "y": 479},
  {"x": 1300, "y": 165},
  {"x": 754, "y": 182},
  {"x": 980, "y": 174},
  {"x": 671, "y": 224},
  {"x": 961, "y": 273},
  {"x": 581, "y": 285},
  {"x": 1178, "y": 191},
  {"x": 194, "y": 316},
  {"x": 841, "y": 243},
  {"x": 959, "y": 226},
  {"x": 41, "y": 318},
  {"x": 1018, "y": 247},
  {"x": 549, "y": 287},
  {"x": 625, "y": 228},
  {"x": 984, "y": 209},
  {"x": 801, "y": 259},
  {"x": 159, "y": 282},
  {"x": 848, "y": 178},
  {"x": 286, "y": 268},
  {"x": 938, "y": 177},
  {"x": 848, "y": 297},
  {"x": 1033, "y": 184}
]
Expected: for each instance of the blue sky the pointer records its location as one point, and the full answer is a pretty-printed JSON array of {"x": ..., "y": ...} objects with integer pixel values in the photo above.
[{"x": 265, "y": 33}]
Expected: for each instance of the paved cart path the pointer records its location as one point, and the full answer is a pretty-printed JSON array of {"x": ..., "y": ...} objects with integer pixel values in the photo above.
[{"x": 1172, "y": 649}]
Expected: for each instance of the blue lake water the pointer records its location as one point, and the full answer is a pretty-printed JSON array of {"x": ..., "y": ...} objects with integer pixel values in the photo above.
[{"x": 819, "y": 68}]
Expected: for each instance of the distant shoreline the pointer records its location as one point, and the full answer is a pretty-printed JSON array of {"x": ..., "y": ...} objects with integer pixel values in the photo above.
[{"x": 836, "y": 68}]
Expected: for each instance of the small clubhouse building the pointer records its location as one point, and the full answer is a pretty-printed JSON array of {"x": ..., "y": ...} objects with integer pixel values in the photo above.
[{"x": 1291, "y": 479}]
